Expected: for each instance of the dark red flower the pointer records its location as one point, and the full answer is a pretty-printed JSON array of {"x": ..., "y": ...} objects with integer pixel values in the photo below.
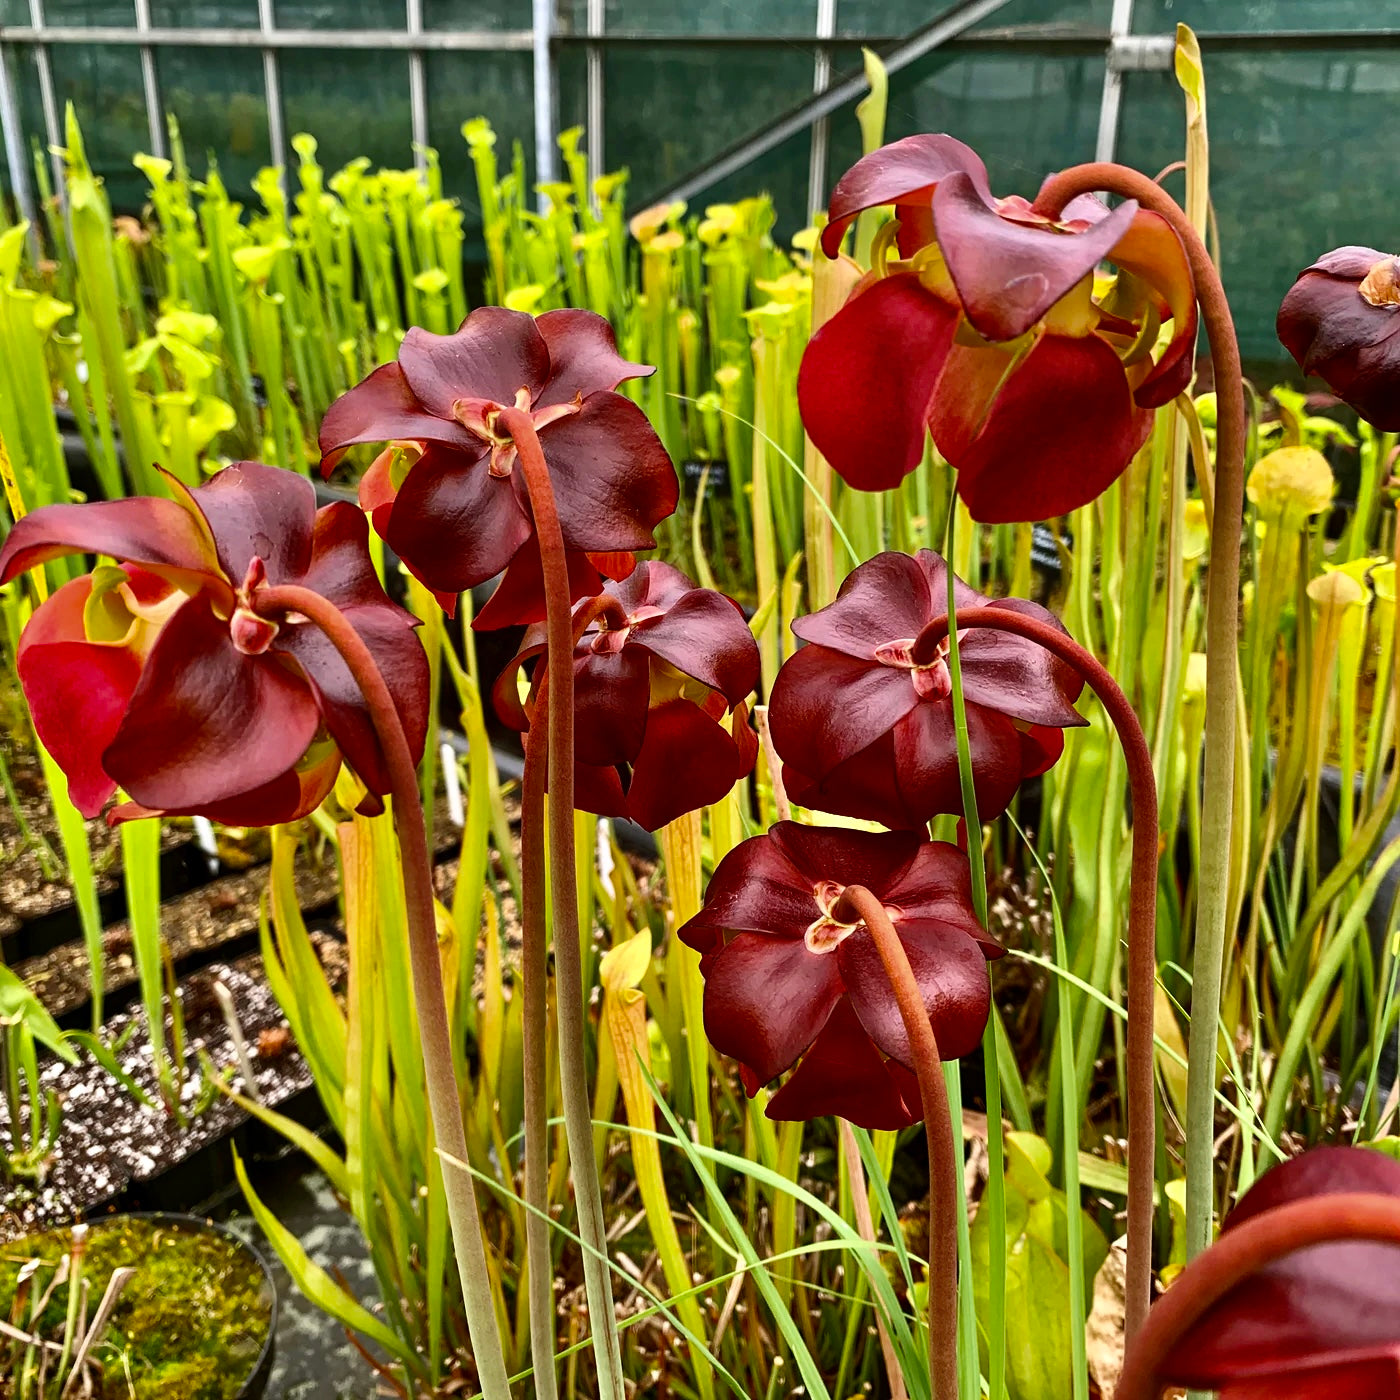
[
  {"x": 986, "y": 330},
  {"x": 448, "y": 496},
  {"x": 1320, "y": 1324},
  {"x": 864, "y": 732},
  {"x": 660, "y": 684},
  {"x": 784, "y": 979},
  {"x": 158, "y": 676},
  {"x": 1341, "y": 322}
]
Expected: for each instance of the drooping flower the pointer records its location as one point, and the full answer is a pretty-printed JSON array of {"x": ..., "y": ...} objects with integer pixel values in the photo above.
[
  {"x": 986, "y": 330},
  {"x": 1318, "y": 1324},
  {"x": 784, "y": 979},
  {"x": 865, "y": 731},
  {"x": 1341, "y": 321},
  {"x": 158, "y": 674},
  {"x": 662, "y": 674},
  {"x": 449, "y": 498}
]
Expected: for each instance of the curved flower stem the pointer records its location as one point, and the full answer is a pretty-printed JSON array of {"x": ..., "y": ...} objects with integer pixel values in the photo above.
[
  {"x": 534, "y": 982},
  {"x": 1222, "y": 623},
  {"x": 568, "y": 960},
  {"x": 1142, "y": 921},
  {"x": 858, "y": 905},
  {"x": 435, "y": 1035},
  {"x": 1234, "y": 1257}
]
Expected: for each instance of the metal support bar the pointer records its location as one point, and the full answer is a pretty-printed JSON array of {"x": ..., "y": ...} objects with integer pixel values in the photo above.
[
  {"x": 952, "y": 21},
  {"x": 1141, "y": 53},
  {"x": 53, "y": 130},
  {"x": 821, "y": 128},
  {"x": 546, "y": 102},
  {"x": 155, "y": 122},
  {"x": 417, "y": 85},
  {"x": 430, "y": 41},
  {"x": 272, "y": 84},
  {"x": 1120, "y": 25},
  {"x": 15, "y": 162},
  {"x": 597, "y": 16}
]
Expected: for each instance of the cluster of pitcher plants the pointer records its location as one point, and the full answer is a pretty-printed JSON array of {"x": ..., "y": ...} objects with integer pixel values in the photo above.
[{"x": 828, "y": 806}]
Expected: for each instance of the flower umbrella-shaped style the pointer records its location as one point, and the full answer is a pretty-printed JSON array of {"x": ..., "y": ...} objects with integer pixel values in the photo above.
[
  {"x": 866, "y": 730},
  {"x": 449, "y": 497},
  {"x": 1321, "y": 1323},
  {"x": 158, "y": 675},
  {"x": 785, "y": 978},
  {"x": 662, "y": 671},
  {"x": 986, "y": 330},
  {"x": 1341, "y": 322}
]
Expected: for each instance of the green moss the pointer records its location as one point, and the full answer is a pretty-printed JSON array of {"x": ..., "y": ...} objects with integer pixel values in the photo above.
[{"x": 190, "y": 1324}]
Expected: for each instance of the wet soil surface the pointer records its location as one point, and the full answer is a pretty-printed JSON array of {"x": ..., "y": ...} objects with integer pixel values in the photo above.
[{"x": 114, "y": 1150}]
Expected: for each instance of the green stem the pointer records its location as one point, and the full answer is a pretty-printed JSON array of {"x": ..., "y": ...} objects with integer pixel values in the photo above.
[
  {"x": 858, "y": 905},
  {"x": 568, "y": 960},
  {"x": 1142, "y": 916},
  {"x": 1222, "y": 624},
  {"x": 534, "y": 972},
  {"x": 434, "y": 1032},
  {"x": 996, "y": 1147}
]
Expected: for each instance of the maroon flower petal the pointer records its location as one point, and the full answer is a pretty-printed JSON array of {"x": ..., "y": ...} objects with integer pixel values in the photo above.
[
  {"x": 518, "y": 599},
  {"x": 1015, "y": 675},
  {"x": 651, "y": 584},
  {"x": 867, "y": 377},
  {"x": 755, "y": 888},
  {"x": 866, "y": 786},
  {"x": 1151, "y": 249},
  {"x": 1333, "y": 1307},
  {"x": 287, "y": 798},
  {"x": 1061, "y": 431},
  {"x": 454, "y": 523},
  {"x": 613, "y": 480},
  {"x": 381, "y": 408},
  {"x": 505, "y": 692},
  {"x": 583, "y": 356},
  {"x": 492, "y": 355},
  {"x": 937, "y": 885},
  {"x": 341, "y": 569},
  {"x": 611, "y": 693},
  {"x": 77, "y": 691},
  {"x": 827, "y": 706},
  {"x": 843, "y": 1075},
  {"x": 888, "y": 598},
  {"x": 206, "y": 722},
  {"x": 599, "y": 790},
  {"x": 952, "y": 975},
  {"x": 255, "y": 510},
  {"x": 687, "y": 761},
  {"x": 903, "y": 173},
  {"x": 704, "y": 634},
  {"x": 403, "y": 664},
  {"x": 926, "y": 760},
  {"x": 766, "y": 999},
  {"x": 1334, "y": 332},
  {"x": 159, "y": 534},
  {"x": 1008, "y": 274},
  {"x": 875, "y": 859},
  {"x": 1041, "y": 748}
]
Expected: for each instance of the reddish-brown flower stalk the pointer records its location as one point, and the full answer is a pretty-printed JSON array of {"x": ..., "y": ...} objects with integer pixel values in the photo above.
[
  {"x": 416, "y": 870},
  {"x": 944, "y": 1147},
  {"x": 519, "y": 426},
  {"x": 1296, "y": 1300},
  {"x": 1222, "y": 621},
  {"x": 1142, "y": 917}
]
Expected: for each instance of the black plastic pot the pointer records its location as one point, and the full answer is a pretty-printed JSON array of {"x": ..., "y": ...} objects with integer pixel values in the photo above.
[{"x": 256, "y": 1383}]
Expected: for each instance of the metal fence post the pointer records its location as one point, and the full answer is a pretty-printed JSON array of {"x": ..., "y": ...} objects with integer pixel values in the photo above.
[
  {"x": 272, "y": 87},
  {"x": 417, "y": 85},
  {"x": 546, "y": 100},
  {"x": 155, "y": 120},
  {"x": 821, "y": 128}
]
